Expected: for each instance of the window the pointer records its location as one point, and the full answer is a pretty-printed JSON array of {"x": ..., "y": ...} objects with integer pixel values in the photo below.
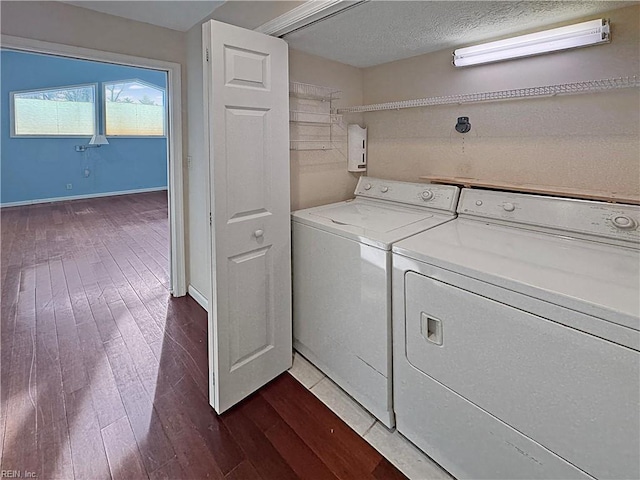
[
  {"x": 134, "y": 108},
  {"x": 62, "y": 111}
]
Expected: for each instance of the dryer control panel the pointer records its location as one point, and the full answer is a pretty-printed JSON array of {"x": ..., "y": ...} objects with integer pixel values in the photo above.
[
  {"x": 567, "y": 216},
  {"x": 441, "y": 197}
]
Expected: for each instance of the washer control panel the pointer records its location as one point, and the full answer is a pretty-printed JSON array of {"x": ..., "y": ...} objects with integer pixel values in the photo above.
[
  {"x": 586, "y": 217},
  {"x": 441, "y": 197}
]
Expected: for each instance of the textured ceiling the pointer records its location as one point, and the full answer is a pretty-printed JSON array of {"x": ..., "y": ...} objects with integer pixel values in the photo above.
[
  {"x": 383, "y": 31},
  {"x": 176, "y": 15}
]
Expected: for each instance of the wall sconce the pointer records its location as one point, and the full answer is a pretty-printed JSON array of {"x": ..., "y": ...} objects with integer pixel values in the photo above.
[
  {"x": 96, "y": 141},
  {"x": 582, "y": 34}
]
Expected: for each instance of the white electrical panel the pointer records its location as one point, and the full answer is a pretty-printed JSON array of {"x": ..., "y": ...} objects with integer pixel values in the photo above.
[{"x": 357, "y": 142}]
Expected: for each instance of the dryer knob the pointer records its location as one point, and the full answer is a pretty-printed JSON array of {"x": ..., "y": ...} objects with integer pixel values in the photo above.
[
  {"x": 367, "y": 186},
  {"x": 624, "y": 222},
  {"x": 384, "y": 189},
  {"x": 508, "y": 207},
  {"x": 426, "y": 195}
]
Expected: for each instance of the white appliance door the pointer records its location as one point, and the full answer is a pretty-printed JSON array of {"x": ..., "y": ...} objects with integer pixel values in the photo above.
[
  {"x": 247, "y": 90},
  {"x": 573, "y": 393}
]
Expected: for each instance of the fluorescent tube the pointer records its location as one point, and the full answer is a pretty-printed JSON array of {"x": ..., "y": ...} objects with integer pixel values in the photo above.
[{"x": 583, "y": 34}]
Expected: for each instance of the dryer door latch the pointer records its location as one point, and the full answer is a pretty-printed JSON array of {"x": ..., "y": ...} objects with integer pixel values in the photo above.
[{"x": 431, "y": 328}]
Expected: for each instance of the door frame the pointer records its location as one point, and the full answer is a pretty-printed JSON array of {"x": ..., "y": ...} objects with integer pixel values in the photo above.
[{"x": 178, "y": 277}]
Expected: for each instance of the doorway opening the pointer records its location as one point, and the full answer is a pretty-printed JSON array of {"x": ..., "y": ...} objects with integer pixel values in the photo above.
[
  {"x": 172, "y": 126},
  {"x": 90, "y": 338}
]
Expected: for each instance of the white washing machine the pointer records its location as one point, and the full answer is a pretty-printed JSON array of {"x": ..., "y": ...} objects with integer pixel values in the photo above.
[
  {"x": 342, "y": 281},
  {"x": 516, "y": 338}
]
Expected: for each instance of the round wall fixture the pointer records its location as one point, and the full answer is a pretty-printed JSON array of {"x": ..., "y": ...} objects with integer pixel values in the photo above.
[{"x": 463, "y": 125}]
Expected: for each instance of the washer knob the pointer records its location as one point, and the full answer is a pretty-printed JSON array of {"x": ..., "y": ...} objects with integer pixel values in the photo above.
[
  {"x": 508, "y": 207},
  {"x": 367, "y": 186},
  {"x": 426, "y": 195},
  {"x": 384, "y": 189},
  {"x": 624, "y": 222}
]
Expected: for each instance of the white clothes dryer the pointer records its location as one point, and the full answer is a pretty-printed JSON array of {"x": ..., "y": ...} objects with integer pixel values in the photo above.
[
  {"x": 342, "y": 281},
  {"x": 516, "y": 334}
]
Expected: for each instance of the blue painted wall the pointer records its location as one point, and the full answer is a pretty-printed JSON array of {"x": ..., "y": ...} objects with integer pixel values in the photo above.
[{"x": 41, "y": 168}]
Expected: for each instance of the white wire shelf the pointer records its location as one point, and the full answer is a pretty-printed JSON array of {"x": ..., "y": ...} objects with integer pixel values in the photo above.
[
  {"x": 313, "y": 118},
  {"x": 314, "y": 92},
  {"x": 590, "y": 86},
  {"x": 310, "y": 145}
]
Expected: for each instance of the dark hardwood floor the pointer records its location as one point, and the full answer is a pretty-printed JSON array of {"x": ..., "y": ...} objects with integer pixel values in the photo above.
[{"x": 104, "y": 375}]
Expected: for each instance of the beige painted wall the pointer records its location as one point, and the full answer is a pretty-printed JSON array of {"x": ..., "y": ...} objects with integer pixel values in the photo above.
[
  {"x": 70, "y": 25},
  {"x": 197, "y": 198},
  {"x": 320, "y": 176},
  {"x": 586, "y": 141}
]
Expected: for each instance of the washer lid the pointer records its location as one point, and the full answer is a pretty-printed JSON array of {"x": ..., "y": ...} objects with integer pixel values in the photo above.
[
  {"x": 375, "y": 218},
  {"x": 374, "y": 222},
  {"x": 594, "y": 278}
]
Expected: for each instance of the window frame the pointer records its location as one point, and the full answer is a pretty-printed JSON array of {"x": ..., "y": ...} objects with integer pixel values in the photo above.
[
  {"x": 149, "y": 84},
  {"x": 12, "y": 112}
]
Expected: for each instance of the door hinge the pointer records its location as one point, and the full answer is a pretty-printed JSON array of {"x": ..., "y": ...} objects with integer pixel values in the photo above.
[
  {"x": 210, "y": 219},
  {"x": 207, "y": 50}
]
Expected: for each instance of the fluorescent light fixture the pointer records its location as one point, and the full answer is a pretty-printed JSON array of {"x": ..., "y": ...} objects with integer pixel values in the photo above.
[
  {"x": 96, "y": 141},
  {"x": 583, "y": 34}
]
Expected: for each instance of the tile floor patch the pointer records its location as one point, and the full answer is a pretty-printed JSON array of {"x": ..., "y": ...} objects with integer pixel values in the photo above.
[
  {"x": 305, "y": 372},
  {"x": 350, "y": 411},
  {"x": 404, "y": 455}
]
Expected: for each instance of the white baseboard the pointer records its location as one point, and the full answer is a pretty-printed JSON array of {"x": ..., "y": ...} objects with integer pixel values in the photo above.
[
  {"x": 198, "y": 297},
  {"x": 80, "y": 197}
]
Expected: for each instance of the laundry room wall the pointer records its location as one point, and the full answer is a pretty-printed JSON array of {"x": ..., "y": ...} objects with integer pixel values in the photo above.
[
  {"x": 319, "y": 177},
  {"x": 588, "y": 141}
]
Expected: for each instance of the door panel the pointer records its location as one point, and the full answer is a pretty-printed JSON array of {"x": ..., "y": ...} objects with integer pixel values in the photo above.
[
  {"x": 248, "y": 139},
  {"x": 249, "y": 166},
  {"x": 251, "y": 318},
  {"x": 246, "y": 68}
]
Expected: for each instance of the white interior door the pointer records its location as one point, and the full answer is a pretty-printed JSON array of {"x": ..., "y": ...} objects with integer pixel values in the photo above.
[{"x": 247, "y": 78}]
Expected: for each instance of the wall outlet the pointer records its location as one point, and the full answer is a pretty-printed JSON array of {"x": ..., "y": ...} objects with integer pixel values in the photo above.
[
  {"x": 189, "y": 159},
  {"x": 69, "y": 186}
]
